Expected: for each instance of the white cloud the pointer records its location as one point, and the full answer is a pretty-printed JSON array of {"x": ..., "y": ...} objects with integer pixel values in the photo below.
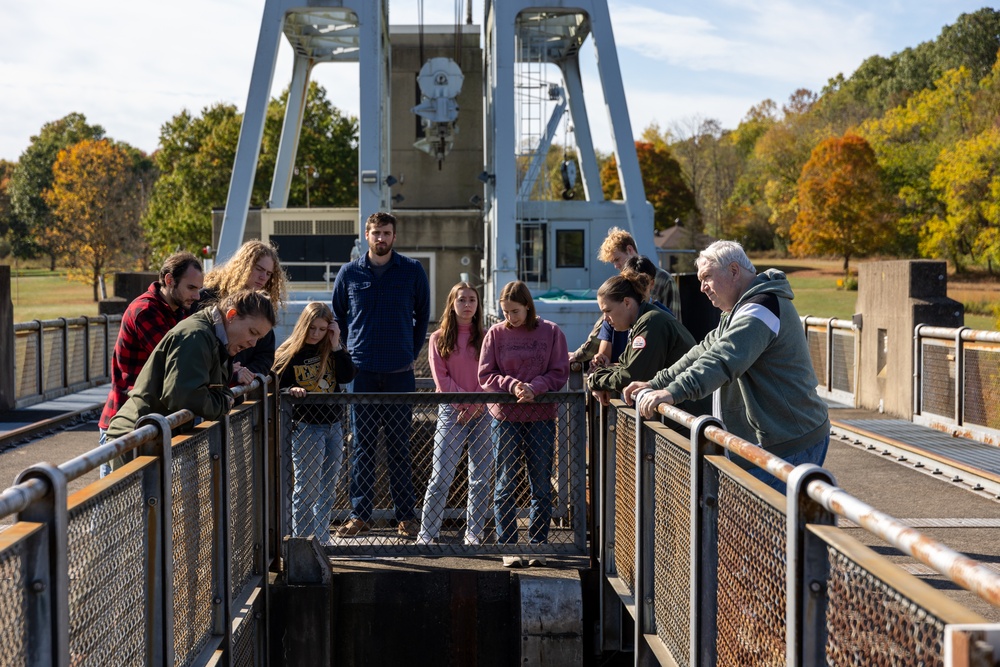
[{"x": 774, "y": 39}]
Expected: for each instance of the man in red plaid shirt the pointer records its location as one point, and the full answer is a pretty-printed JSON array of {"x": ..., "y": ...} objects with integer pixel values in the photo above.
[{"x": 146, "y": 320}]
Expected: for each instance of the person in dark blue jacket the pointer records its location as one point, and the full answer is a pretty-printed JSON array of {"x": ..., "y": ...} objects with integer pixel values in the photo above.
[{"x": 382, "y": 305}]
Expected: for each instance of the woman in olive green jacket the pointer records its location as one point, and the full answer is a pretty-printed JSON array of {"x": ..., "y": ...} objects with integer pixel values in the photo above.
[
  {"x": 190, "y": 367},
  {"x": 656, "y": 339}
]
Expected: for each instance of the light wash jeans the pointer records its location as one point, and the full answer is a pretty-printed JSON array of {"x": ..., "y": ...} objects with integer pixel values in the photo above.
[
  {"x": 537, "y": 441},
  {"x": 317, "y": 455},
  {"x": 450, "y": 438},
  {"x": 814, "y": 454}
]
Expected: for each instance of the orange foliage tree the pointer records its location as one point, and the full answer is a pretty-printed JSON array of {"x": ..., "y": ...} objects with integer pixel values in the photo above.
[
  {"x": 843, "y": 203},
  {"x": 661, "y": 178},
  {"x": 96, "y": 197}
]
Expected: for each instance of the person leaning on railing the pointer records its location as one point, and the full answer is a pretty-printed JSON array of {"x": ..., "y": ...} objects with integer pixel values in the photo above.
[
  {"x": 254, "y": 266},
  {"x": 655, "y": 339},
  {"x": 757, "y": 359},
  {"x": 189, "y": 368}
]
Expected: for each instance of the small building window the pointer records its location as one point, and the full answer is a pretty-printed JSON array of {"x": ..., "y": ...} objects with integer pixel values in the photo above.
[{"x": 569, "y": 249}]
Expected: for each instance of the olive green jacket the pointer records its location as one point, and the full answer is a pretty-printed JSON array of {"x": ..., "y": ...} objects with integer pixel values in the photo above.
[{"x": 188, "y": 369}]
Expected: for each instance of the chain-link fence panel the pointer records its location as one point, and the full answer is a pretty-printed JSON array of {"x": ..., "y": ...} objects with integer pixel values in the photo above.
[
  {"x": 843, "y": 360},
  {"x": 107, "y": 604},
  {"x": 625, "y": 444},
  {"x": 816, "y": 336},
  {"x": 406, "y": 473},
  {"x": 193, "y": 587},
  {"x": 981, "y": 386},
  {"x": 672, "y": 547},
  {"x": 76, "y": 353},
  {"x": 14, "y": 592},
  {"x": 751, "y": 577},
  {"x": 26, "y": 363},
  {"x": 247, "y": 631},
  {"x": 937, "y": 378},
  {"x": 244, "y": 498},
  {"x": 870, "y": 623},
  {"x": 52, "y": 352}
]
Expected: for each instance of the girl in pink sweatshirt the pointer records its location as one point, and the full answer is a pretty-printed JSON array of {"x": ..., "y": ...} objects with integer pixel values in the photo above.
[
  {"x": 524, "y": 356},
  {"x": 454, "y": 357}
]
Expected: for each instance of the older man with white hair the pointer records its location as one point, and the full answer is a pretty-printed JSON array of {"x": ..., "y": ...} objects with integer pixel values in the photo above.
[{"x": 756, "y": 362}]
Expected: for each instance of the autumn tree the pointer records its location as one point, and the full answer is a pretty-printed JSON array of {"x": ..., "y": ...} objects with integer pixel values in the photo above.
[
  {"x": 33, "y": 176},
  {"x": 909, "y": 139},
  {"x": 842, "y": 203},
  {"x": 7, "y": 219},
  {"x": 661, "y": 178},
  {"x": 967, "y": 178},
  {"x": 95, "y": 199}
]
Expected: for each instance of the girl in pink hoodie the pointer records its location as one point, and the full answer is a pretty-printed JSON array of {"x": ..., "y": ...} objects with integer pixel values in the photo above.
[
  {"x": 524, "y": 356},
  {"x": 454, "y": 357}
]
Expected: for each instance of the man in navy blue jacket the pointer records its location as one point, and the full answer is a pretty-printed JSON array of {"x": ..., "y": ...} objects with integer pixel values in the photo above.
[{"x": 382, "y": 304}]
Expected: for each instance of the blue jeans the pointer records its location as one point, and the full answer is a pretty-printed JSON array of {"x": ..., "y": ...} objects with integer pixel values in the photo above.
[
  {"x": 537, "y": 441},
  {"x": 449, "y": 441},
  {"x": 395, "y": 421},
  {"x": 317, "y": 454},
  {"x": 814, "y": 454}
]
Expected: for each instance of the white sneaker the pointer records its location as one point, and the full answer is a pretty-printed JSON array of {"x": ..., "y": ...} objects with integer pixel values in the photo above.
[
  {"x": 424, "y": 540},
  {"x": 513, "y": 561},
  {"x": 472, "y": 541},
  {"x": 537, "y": 561}
]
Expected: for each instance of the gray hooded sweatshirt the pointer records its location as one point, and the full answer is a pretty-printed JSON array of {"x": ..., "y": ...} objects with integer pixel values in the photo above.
[{"x": 757, "y": 361}]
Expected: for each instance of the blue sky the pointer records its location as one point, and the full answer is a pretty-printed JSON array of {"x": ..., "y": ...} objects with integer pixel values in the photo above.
[{"x": 130, "y": 66}]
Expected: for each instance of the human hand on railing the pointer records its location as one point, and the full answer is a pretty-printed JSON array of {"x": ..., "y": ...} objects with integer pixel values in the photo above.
[
  {"x": 650, "y": 399},
  {"x": 599, "y": 361},
  {"x": 242, "y": 374},
  {"x": 297, "y": 392},
  {"x": 602, "y": 396},
  {"x": 524, "y": 392},
  {"x": 632, "y": 389}
]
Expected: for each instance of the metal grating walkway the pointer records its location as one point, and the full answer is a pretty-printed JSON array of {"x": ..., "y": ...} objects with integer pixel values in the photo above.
[{"x": 963, "y": 450}]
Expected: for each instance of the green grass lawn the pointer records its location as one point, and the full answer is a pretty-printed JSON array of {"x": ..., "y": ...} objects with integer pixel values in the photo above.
[{"x": 45, "y": 295}]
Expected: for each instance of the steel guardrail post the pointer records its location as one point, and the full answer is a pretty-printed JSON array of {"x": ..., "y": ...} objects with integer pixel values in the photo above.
[
  {"x": 704, "y": 544},
  {"x": 65, "y": 352},
  {"x": 577, "y": 441},
  {"x": 48, "y": 575},
  {"x": 596, "y": 421},
  {"x": 86, "y": 349},
  {"x": 807, "y": 570},
  {"x": 645, "y": 620},
  {"x": 262, "y": 431},
  {"x": 222, "y": 554},
  {"x": 829, "y": 353},
  {"x": 917, "y": 375},
  {"x": 39, "y": 358},
  {"x": 959, "y": 376},
  {"x": 611, "y": 604},
  {"x": 158, "y": 493}
]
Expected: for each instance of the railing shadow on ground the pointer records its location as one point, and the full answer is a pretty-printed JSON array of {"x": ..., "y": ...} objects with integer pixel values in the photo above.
[{"x": 715, "y": 567}]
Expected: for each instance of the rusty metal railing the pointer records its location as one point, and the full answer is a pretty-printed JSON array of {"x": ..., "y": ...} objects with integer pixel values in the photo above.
[
  {"x": 956, "y": 383},
  {"x": 717, "y": 568},
  {"x": 57, "y": 357},
  {"x": 163, "y": 562},
  {"x": 835, "y": 350}
]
